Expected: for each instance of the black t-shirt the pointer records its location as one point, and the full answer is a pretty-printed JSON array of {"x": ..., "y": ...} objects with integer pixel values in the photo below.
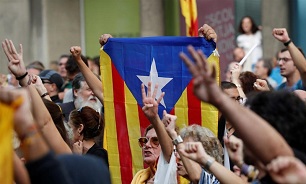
[{"x": 98, "y": 152}]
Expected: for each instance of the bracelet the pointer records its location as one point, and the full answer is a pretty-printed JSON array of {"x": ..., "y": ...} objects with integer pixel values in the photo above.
[
  {"x": 178, "y": 140},
  {"x": 23, "y": 76},
  {"x": 43, "y": 95},
  {"x": 209, "y": 162},
  {"x": 250, "y": 171},
  {"x": 287, "y": 43}
]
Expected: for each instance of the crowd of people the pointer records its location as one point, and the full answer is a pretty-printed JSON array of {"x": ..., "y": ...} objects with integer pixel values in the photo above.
[{"x": 59, "y": 119}]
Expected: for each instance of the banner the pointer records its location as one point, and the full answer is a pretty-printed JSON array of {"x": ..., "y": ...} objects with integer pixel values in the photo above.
[{"x": 126, "y": 63}]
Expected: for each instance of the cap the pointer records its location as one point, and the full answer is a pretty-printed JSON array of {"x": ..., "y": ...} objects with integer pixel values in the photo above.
[{"x": 53, "y": 77}]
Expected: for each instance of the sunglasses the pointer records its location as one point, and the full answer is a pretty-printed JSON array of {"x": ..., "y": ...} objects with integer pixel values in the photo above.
[{"x": 142, "y": 141}]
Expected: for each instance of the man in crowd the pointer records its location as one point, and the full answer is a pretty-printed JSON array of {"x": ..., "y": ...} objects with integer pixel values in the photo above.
[{"x": 53, "y": 83}]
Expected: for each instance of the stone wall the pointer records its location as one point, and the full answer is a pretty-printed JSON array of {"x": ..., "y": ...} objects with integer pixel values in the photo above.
[{"x": 46, "y": 28}]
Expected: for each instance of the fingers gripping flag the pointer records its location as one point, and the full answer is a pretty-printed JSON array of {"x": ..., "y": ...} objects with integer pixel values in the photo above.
[{"x": 125, "y": 64}]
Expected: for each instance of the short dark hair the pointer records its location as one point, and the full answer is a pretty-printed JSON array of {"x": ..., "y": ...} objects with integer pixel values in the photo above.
[
  {"x": 286, "y": 49},
  {"x": 64, "y": 56},
  {"x": 76, "y": 83},
  {"x": 71, "y": 65},
  {"x": 227, "y": 85},
  {"x": 36, "y": 65},
  {"x": 285, "y": 112},
  {"x": 247, "y": 80},
  {"x": 254, "y": 28}
]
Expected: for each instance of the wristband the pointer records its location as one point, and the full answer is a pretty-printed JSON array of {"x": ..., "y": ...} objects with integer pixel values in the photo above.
[
  {"x": 43, "y": 95},
  {"x": 287, "y": 43},
  {"x": 23, "y": 76},
  {"x": 209, "y": 162},
  {"x": 178, "y": 140}
]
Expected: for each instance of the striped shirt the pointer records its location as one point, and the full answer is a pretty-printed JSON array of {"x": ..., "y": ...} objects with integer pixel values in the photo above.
[{"x": 207, "y": 178}]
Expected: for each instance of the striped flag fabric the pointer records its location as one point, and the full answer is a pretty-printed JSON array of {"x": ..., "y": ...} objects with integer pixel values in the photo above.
[
  {"x": 128, "y": 62},
  {"x": 189, "y": 11}
]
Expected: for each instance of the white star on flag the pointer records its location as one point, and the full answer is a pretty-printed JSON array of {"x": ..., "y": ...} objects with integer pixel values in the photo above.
[{"x": 154, "y": 79}]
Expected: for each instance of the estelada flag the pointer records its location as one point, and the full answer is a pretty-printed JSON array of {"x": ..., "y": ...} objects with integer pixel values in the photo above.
[{"x": 126, "y": 63}]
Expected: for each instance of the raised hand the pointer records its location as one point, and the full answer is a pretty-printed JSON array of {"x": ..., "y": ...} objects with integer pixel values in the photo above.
[
  {"x": 104, "y": 38},
  {"x": 261, "y": 85},
  {"x": 194, "y": 151},
  {"x": 281, "y": 34},
  {"x": 169, "y": 122},
  {"x": 16, "y": 64},
  {"x": 235, "y": 149},
  {"x": 235, "y": 71},
  {"x": 204, "y": 83},
  {"x": 76, "y": 51},
  {"x": 37, "y": 82},
  {"x": 208, "y": 32},
  {"x": 150, "y": 105},
  {"x": 285, "y": 169}
]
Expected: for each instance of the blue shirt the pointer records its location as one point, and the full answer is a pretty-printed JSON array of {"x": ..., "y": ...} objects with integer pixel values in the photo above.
[
  {"x": 275, "y": 75},
  {"x": 297, "y": 85}
]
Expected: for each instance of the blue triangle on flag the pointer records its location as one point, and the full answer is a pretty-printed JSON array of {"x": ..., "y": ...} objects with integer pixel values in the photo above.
[{"x": 133, "y": 57}]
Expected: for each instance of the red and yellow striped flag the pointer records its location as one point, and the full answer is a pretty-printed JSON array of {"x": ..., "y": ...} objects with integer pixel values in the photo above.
[
  {"x": 125, "y": 64},
  {"x": 189, "y": 11}
]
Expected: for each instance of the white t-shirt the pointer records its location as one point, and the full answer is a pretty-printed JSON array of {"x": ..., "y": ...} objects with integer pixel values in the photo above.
[{"x": 247, "y": 42}]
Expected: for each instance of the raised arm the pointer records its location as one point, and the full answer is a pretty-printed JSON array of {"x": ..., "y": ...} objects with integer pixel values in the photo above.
[
  {"x": 34, "y": 146},
  {"x": 15, "y": 62},
  {"x": 150, "y": 109},
  {"x": 247, "y": 124},
  {"x": 236, "y": 70},
  {"x": 196, "y": 152},
  {"x": 42, "y": 116},
  {"x": 193, "y": 169},
  {"x": 104, "y": 38},
  {"x": 208, "y": 32},
  {"x": 42, "y": 166},
  {"x": 46, "y": 125},
  {"x": 299, "y": 60},
  {"x": 92, "y": 80}
]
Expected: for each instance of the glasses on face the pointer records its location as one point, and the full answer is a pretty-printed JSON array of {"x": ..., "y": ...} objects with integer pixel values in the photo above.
[
  {"x": 284, "y": 59},
  {"x": 238, "y": 99},
  {"x": 60, "y": 64},
  {"x": 142, "y": 141}
]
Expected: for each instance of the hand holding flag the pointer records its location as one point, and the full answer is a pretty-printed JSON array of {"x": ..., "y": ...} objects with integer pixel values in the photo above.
[{"x": 208, "y": 32}]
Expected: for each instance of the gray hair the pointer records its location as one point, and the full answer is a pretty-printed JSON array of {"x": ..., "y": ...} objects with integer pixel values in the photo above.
[{"x": 209, "y": 141}]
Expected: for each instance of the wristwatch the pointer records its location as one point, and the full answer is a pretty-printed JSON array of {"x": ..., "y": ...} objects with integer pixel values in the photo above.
[{"x": 178, "y": 140}]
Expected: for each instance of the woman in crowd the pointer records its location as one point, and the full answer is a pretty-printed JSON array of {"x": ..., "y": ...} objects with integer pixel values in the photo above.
[
  {"x": 249, "y": 36},
  {"x": 87, "y": 124},
  {"x": 151, "y": 150}
]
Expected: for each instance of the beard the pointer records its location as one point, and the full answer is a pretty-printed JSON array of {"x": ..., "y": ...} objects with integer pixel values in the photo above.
[{"x": 96, "y": 105}]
